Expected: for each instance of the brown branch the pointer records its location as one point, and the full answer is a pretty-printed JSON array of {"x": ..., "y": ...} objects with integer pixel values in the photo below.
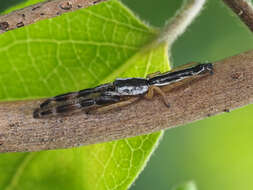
[
  {"x": 230, "y": 87},
  {"x": 243, "y": 9},
  {"x": 41, "y": 11}
]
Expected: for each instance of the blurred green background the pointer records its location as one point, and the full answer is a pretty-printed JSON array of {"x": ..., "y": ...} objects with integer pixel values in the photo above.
[
  {"x": 216, "y": 152},
  {"x": 5, "y": 4}
]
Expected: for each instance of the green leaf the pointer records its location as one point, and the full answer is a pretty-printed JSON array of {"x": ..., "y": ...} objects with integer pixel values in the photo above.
[
  {"x": 75, "y": 51},
  {"x": 72, "y": 52},
  {"x": 112, "y": 165},
  {"x": 186, "y": 186}
]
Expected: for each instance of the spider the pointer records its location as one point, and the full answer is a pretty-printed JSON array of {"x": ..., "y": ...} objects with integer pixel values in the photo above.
[{"x": 122, "y": 91}]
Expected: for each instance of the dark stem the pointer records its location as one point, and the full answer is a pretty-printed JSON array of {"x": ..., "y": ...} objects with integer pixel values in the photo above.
[
  {"x": 243, "y": 9},
  {"x": 41, "y": 11}
]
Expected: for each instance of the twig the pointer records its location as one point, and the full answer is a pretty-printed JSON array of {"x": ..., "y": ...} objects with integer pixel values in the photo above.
[
  {"x": 183, "y": 18},
  {"x": 243, "y": 9},
  {"x": 41, "y": 11},
  {"x": 230, "y": 87}
]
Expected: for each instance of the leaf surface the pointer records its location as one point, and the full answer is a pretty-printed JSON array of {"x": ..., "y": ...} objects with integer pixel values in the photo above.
[
  {"x": 186, "y": 186},
  {"x": 71, "y": 52}
]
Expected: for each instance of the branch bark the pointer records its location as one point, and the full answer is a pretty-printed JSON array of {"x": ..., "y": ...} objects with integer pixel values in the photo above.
[
  {"x": 243, "y": 9},
  {"x": 41, "y": 11},
  {"x": 230, "y": 87}
]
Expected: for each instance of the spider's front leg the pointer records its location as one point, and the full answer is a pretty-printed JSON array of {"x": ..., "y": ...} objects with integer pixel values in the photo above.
[
  {"x": 151, "y": 92},
  {"x": 59, "y": 98},
  {"x": 115, "y": 105},
  {"x": 62, "y": 109},
  {"x": 72, "y": 95},
  {"x": 88, "y": 104},
  {"x": 80, "y": 104}
]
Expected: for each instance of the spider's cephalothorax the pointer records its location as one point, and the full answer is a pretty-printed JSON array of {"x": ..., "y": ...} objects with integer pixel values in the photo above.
[{"x": 118, "y": 93}]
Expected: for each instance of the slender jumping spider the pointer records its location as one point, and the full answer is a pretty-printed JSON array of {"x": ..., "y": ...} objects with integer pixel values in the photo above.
[{"x": 118, "y": 93}]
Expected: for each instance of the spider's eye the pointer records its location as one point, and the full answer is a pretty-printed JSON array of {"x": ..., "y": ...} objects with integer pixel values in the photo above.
[{"x": 126, "y": 90}]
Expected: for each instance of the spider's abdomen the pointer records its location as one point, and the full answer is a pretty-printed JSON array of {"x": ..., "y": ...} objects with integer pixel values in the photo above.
[{"x": 131, "y": 86}]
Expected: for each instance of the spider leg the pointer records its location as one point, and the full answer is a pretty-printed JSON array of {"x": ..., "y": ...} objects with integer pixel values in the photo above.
[
  {"x": 101, "y": 88},
  {"x": 78, "y": 105},
  {"x": 81, "y": 93},
  {"x": 87, "y": 104},
  {"x": 64, "y": 108},
  {"x": 59, "y": 98},
  {"x": 187, "y": 65},
  {"x": 115, "y": 105},
  {"x": 158, "y": 90},
  {"x": 161, "y": 90},
  {"x": 105, "y": 100},
  {"x": 151, "y": 75}
]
